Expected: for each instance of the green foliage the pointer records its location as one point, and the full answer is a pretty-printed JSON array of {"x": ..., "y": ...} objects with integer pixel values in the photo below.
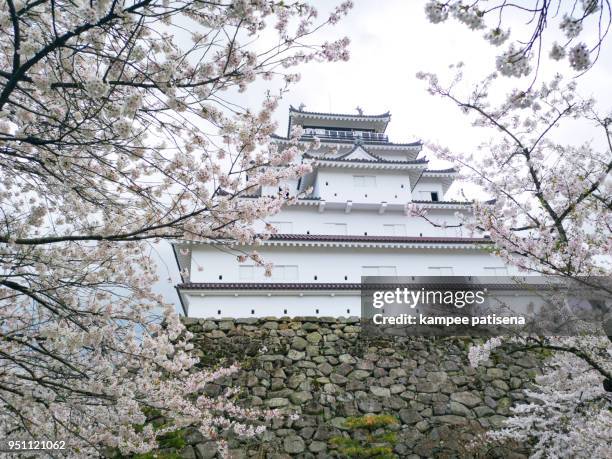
[
  {"x": 369, "y": 437},
  {"x": 172, "y": 455},
  {"x": 370, "y": 422},
  {"x": 175, "y": 439}
]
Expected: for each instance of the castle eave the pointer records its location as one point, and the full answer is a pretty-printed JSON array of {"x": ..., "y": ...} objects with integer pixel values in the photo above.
[
  {"x": 376, "y": 145},
  {"x": 267, "y": 286},
  {"x": 381, "y": 242}
]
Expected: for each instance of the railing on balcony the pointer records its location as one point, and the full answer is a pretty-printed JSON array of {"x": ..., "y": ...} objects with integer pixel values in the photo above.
[{"x": 346, "y": 135}]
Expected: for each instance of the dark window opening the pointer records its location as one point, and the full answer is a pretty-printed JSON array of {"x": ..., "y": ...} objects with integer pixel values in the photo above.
[
  {"x": 220, "y": 277},
  {"x": 345, "y": 277},
  {"x": 252, "y": 311},
  {"x": 365, "y": 234},
  {"x": 326, "y": 183},
  {"x": 396, "y": 196},
  {"x": 219, "y": 312},
  {"x": 402, "y": 186},
  {"x": 315, "y": 278},
  {"x": 434, "y": 196},
  {"x": 348, "y": 311},
  {"x": 366, "y": 195},
  {"x": 284, "y": 311},
  {"x": 317, "y": 311}
]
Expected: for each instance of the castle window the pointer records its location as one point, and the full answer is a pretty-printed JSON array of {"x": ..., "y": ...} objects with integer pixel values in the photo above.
[
  {"x": 316, "y": 277},
  {"x": 336, "y": 228},
  {"x": 348, "y": 311},
  {"x": 394, "y": 230},
  {"x": 364, "y": 181},
  {"x": 219, "y": 312},
  {"x": 428, "y": 195},
  {"x": 378, "y": 271},
  {"x": 496, "y": 271},
  {"x": 252, "y": 311},
  {"x": 317, "y": 311},
  {"x": 283, "y": 227},
  {"x": 284, "y": 311},
  {"x": 220, "y": 277},
  {"x": 285, "y": 272},
  {"x": 345, "y": 277},
  {"x": 441, "y": 270}
]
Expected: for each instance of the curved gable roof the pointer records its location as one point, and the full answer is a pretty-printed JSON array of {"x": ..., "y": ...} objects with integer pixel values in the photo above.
[{"x": 382, "y": 116}]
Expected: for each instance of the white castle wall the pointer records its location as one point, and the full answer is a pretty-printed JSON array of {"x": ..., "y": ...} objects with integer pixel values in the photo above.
[
  {"x": 340, "y": 264},
  {"x": 318, "y": 265},
  {"x": 301, "y": 220},
  {"x": 274, "y": 304},
  {"x": 342, "y": 185}
]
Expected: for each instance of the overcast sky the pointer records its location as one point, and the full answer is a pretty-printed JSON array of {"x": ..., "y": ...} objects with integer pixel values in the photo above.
[{"x": 391, "y": 40}]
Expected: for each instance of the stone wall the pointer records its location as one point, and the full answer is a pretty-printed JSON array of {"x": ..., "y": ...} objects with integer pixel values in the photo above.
[{"x": 325, "y": 370}]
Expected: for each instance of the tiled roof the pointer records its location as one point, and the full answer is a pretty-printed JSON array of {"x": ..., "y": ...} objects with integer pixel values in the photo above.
[
  {"x": 348, "y": 115},
  {"x": 418, "y": 143},
  {"x": 441, "y": 171},
  {"x": 339, "y": 286},
  {"x": 462, "y": 203},
  {"x": 270, "y": 286},
  {"x": 304, "y": 198},
  {"x": 391, "y": 239},
  {"x": 378, "y": 161}
]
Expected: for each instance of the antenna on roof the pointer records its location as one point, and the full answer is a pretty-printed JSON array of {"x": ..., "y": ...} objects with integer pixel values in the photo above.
[
  {"x": 359, "y": 110},
  {"x": 302, "y": 106}
]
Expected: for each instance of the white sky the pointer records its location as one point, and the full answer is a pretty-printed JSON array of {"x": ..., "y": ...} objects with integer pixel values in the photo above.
[{"x": 391, "y": 40}]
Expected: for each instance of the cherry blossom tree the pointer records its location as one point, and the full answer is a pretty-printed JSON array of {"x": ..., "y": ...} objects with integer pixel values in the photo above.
[
  {"x": 550, "y": 213},
  {"x": 551, "y": 209},
  {"x": 116, "y": 131},
  {"x": 575, "y": 19},
  {"x": 548, "y": 210}
]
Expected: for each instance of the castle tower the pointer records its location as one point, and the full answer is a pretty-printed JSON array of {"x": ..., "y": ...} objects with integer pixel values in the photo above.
[{"x": 355, "y": 222}]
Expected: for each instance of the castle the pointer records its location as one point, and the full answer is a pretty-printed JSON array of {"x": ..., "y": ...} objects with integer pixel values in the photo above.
[{"x": 355, "y": 222}]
